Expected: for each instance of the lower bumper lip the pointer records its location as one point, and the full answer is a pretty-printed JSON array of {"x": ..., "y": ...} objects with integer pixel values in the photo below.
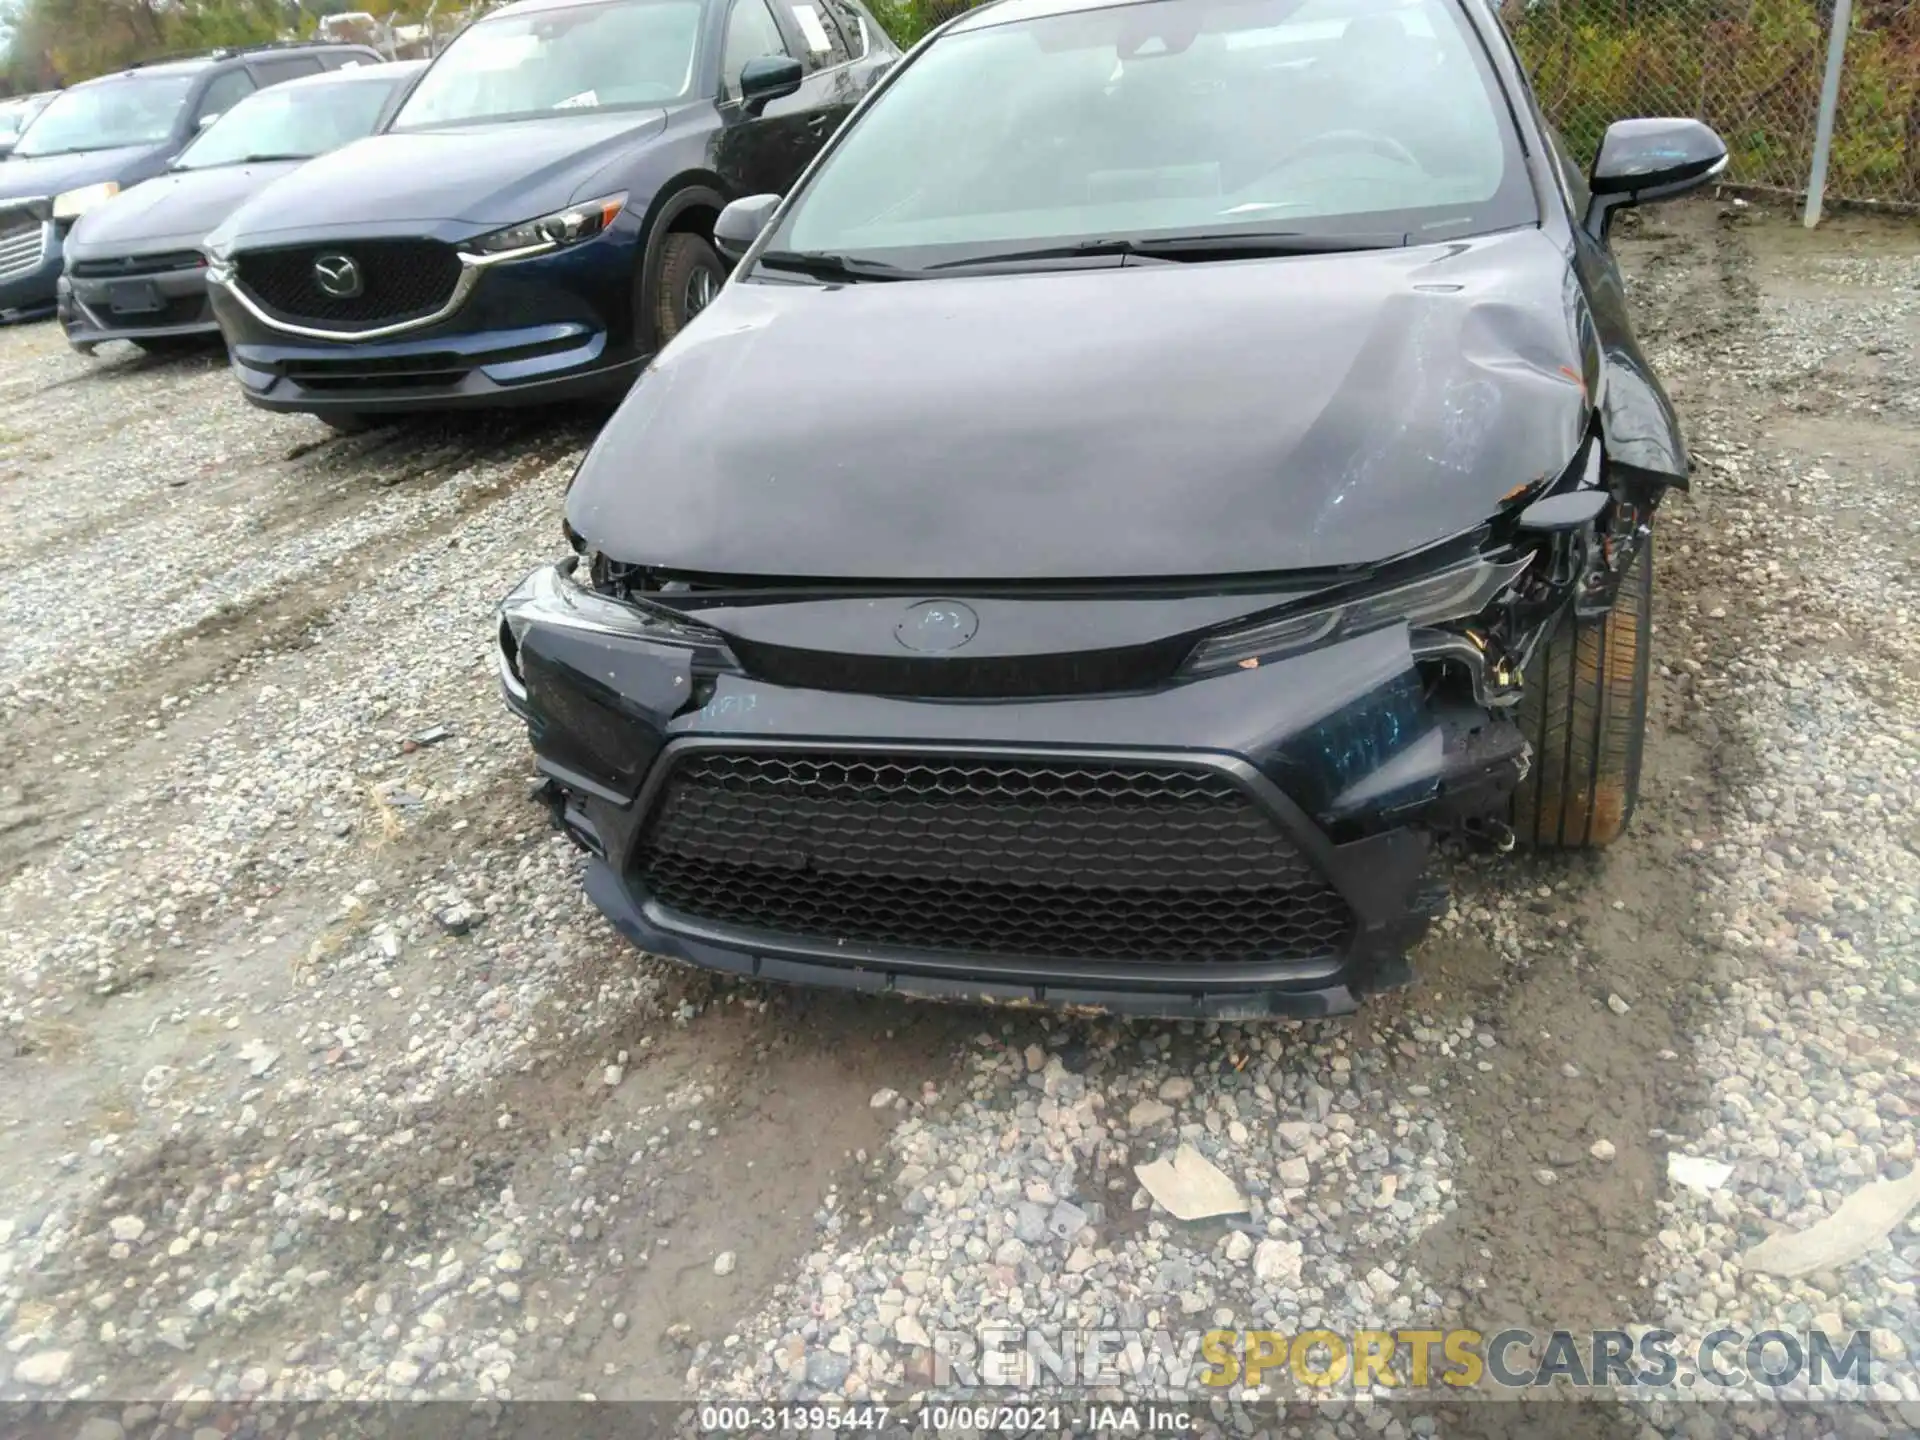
[{"x": 86, "y": 307}]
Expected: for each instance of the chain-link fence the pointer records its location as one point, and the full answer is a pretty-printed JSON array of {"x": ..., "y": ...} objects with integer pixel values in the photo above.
[{"x": 1749, "y": 68}]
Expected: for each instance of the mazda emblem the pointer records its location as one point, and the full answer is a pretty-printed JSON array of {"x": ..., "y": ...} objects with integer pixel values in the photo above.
[
  {"x": 934, "y": 627},
  {"x": 338, "y": 276}
]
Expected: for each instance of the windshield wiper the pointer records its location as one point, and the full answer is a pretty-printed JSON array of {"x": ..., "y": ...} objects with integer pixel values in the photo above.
[
  {"x": 74, "y": 150},
  {"x": 268, "y": 159},
  {"x": 824, "y": 266},
  {"x": 1225, "y": 244}
]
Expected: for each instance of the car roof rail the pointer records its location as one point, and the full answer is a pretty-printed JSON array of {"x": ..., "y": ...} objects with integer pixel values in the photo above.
[
  {"x": 234, "y": 52},
  {"x": 229, "y": 51}
]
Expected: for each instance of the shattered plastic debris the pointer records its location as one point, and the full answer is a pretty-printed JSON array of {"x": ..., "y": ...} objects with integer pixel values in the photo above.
[
  {"x": 1863, "y": 1220},
  {"x": 433, "y": 735},
  {"x": 1701, "y": 1176},
  {"x": 1191, "y": 1187}
]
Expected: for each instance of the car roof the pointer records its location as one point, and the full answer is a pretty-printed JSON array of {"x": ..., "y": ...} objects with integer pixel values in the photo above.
[
  {"x": 170, "y": 67},
  {"x": 194, "y": 64},
  {"x": 389, "y": 70}
]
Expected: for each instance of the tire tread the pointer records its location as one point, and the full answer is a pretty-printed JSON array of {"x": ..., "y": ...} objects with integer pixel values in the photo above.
[{"x": 1584, "y": 709}]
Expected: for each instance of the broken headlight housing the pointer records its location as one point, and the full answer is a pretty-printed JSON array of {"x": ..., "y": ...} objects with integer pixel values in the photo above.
[
  {"x": 550, "y": 232},
  {"x": 554, "y": 597},
  {"x": 1454, "y": 593}
]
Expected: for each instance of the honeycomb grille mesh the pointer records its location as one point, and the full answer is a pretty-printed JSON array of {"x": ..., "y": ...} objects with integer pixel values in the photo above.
[
  {"x": 1037, "y": 858},
  {"x": 403, "y": 279}
]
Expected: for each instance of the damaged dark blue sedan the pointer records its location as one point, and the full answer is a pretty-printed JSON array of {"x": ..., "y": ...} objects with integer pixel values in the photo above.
[{"x": 1165, "y": 463}]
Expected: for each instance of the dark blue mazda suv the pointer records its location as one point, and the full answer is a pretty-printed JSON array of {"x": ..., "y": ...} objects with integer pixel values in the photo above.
[{"x": 537, "y": 218}]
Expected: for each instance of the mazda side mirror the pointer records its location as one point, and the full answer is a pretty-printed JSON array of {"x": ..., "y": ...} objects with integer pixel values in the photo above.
[
  {"x": 768, "y": 78},
  {"x": 740, "y": 224},
  {"x": 1643, "y": 160}
]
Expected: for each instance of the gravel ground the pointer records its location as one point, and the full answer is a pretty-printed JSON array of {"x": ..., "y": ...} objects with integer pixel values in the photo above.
[{"x": 319, "y": 1079}]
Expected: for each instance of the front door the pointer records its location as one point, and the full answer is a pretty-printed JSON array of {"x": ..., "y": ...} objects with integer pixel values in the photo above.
[{"x": 758, "y": 154}]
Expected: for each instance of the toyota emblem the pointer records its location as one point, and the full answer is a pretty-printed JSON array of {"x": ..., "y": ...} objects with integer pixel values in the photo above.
[
  {"x": 339, "y": 276},
  {"x": 934, "y": 627}
]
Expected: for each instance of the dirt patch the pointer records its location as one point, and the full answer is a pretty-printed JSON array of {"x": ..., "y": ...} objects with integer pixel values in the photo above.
[{"x": 755, "y": 1126}]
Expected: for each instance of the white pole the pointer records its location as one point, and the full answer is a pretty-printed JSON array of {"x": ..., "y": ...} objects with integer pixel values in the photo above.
[{"x": 1829, "y": 102}]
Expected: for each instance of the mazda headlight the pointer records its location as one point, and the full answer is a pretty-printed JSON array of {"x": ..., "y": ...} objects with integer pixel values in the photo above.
[
  {"x": 1455, "y": 593},
  {"x": 72, "y": 204},
  {"x": 550, "y": 232}
]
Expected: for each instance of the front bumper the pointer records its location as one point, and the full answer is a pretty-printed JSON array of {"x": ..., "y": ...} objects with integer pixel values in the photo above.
[
  {"x": 794, "y": 881},
  {"x": 30, "y": 276},
  {"x": 162, "y": 305},
  {"x": 537, "y": 331}
]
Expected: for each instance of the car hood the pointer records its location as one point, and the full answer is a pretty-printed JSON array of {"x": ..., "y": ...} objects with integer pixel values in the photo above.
[
  {"x": 173, "y": 211},
  {"x": 25, "y": 177},
  {"x": 477, "y": 176},
  {"x": 1150, "y": 421}
]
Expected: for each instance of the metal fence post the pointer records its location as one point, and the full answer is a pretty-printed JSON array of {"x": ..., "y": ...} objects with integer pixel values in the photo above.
[{"x": 1829, "y": 102}]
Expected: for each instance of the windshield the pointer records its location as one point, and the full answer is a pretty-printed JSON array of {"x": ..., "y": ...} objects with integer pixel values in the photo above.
[
  {"x": 129, "y": 110},
  {"x": 1175, "y": 117},
  {"x": 290, "y": 122},
  {"x": 585, "y": 57}
]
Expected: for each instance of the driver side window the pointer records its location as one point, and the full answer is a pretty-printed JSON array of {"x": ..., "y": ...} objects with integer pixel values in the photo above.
[{"x": 752, "y": 33}]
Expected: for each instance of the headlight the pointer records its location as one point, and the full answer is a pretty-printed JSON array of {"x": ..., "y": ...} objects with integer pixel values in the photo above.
[
  {"x": 555, "y": 597},
  {"x": 72, "y": 204},
  {"x": 550, "y": 232},
  {"x": 1450, "y": 594}
]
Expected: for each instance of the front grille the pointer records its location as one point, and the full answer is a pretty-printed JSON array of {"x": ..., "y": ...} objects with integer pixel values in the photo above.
[
  {"x": 23, "y": 244},
  {"x": 404, "y": 280},
  {"x": 1029, "y": 857},
  {"x": 133, "y": 266}
]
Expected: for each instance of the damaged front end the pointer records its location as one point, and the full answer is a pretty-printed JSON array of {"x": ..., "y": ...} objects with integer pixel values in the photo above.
[{"x": 1207, "y": 798}]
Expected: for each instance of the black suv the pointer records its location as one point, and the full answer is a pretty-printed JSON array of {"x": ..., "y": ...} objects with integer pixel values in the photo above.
[{"x": 106, "y": 135}]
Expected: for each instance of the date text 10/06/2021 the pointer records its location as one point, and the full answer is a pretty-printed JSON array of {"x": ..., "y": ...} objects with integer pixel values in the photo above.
[{"x": 941, "y": 1419}]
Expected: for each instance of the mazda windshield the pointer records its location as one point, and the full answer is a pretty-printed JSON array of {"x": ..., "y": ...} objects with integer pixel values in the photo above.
[
  {"x": 1181, "y": 129},
  {"x": 614, "y": 55},
  {"x": 291, "y": 122},
  {"x": 108, "y": 114}
]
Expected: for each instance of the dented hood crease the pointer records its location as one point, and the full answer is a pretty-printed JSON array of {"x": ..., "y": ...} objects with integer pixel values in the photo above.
[{"x": 1219, "y": 418}]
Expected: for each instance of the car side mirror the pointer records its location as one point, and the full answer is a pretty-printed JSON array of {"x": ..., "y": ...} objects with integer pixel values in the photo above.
[
  {"x": 205, "y": 120},
  {"x": 740, "y": 224},
  {"x": 1644, "y": 160},
  {"x": 768, "y": 78}
]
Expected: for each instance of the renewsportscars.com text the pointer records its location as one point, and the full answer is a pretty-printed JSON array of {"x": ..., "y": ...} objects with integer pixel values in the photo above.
[{"x": 1456, "y": 1360}]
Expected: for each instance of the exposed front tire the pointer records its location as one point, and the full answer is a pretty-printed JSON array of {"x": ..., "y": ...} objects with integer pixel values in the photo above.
[
  {"x": 1583, "y": 708},
  {"x": 691, "y": 274}
]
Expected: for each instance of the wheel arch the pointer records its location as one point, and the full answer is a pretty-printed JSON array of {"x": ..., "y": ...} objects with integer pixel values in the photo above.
[{"x": 689, "y": 202}]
